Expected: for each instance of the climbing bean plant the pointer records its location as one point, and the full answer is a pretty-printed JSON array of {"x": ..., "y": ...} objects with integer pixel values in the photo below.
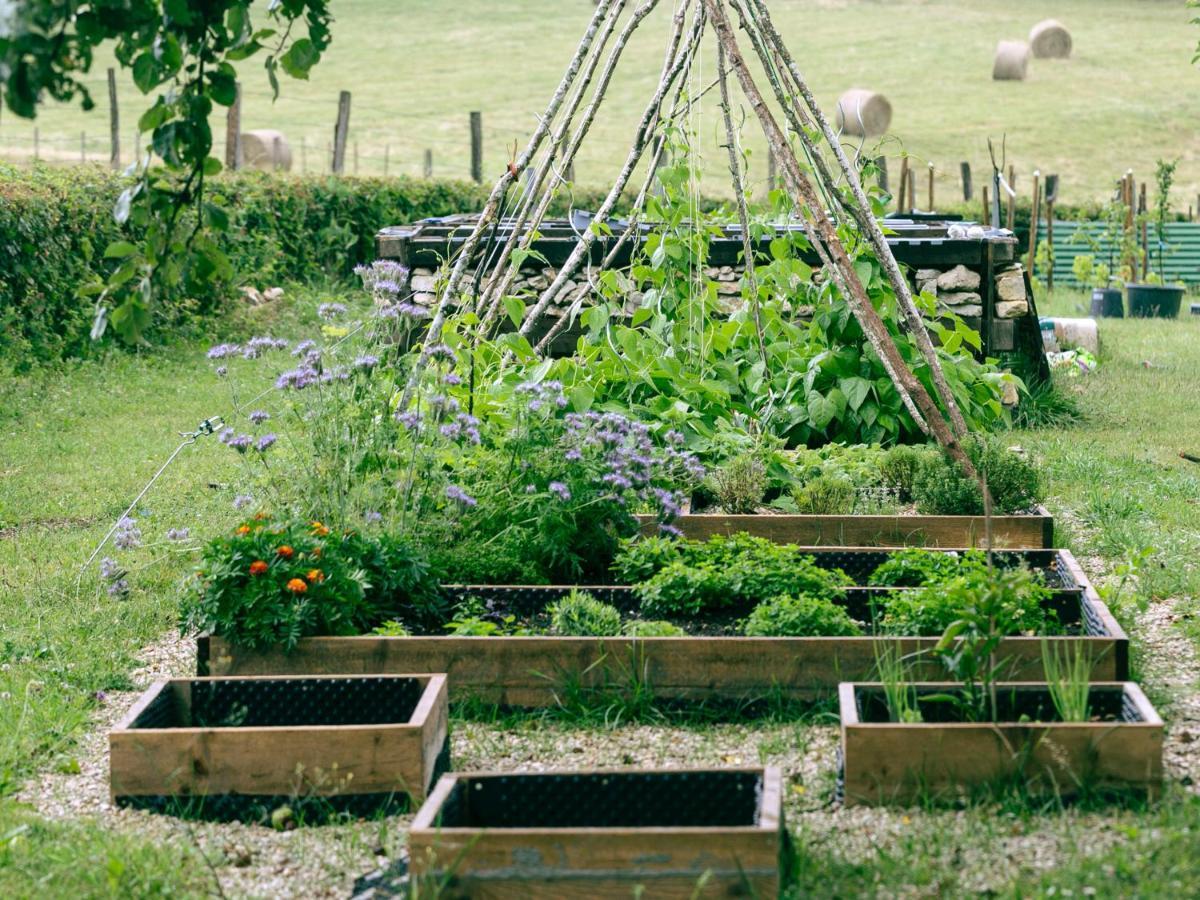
[{"x": 186, "y": 53}]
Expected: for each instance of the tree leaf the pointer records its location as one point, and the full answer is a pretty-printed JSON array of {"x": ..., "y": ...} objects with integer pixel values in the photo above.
[
  {"x": 299, "y": 58},
  {"x": 515, "y": 308}
]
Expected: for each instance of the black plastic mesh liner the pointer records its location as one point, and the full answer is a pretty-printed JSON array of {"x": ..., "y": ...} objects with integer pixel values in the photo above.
[
  {"x": 1032, "y": 703},
  {"x": 257, "y": 808},
  {"x": 233, "y": 703},
  {"x": 598, "y": 800},
  {"x": 859, "y": 564}
]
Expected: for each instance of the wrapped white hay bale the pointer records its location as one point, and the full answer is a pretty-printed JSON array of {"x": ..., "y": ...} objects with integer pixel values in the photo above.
[
  {"x": 266, "y": 149},
  {"x": 1050, "y": 40},
  {"x": 1011, "y": 62},
  {"x": 863, "y": 113}
]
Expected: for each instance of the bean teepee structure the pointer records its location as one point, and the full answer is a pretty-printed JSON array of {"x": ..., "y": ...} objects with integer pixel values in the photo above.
[{"x": 811, "y": 179}]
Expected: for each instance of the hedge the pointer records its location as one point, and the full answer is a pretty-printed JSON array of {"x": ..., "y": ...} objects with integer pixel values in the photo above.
[{"x": 56, "y": 222}]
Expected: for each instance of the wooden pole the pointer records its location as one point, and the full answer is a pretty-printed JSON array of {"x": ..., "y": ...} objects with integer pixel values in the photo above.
[
  {"x": 1033, "y": 219},
  {"x": 968, "y": 191},
  {"x": 1010, "y": 218},
  {"x": 233, "y": 131},
  {"x": 114, "y": 122},
  {"x": 341, "y": 130},
  {"x": 1145, "y": 232},
  {"x": 1050, "y": 242},
  {"x": 987, "y": 208},
  {"x": 428, "y": 163},
  {"x": 931, "y": 204},
  {"x": 477, "y": 147},
  {"x": 912, "y": 189},
  {"x": 900, "y": 207},
  {"x": 569, "y": 172},
  {"x": 882, "y": 169}
]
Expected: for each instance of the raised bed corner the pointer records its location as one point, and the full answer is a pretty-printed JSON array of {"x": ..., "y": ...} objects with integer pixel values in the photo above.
[
  {"x": 230, "y": 747},
  {"x": 673, "y": 833},
  {"x": 903, "y": 763}
]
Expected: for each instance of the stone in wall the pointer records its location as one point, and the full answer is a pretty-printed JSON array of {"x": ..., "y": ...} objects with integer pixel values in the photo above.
[
  {"x": 1010, "y": 284},
  {"x": 960, "y": 278},
  {"x": 1011, "y": 309}
]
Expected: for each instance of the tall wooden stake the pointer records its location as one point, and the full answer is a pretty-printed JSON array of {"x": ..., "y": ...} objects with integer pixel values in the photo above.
[
  {"x": 233, "y": 132},
  {"x": 968, "y": 191},
  {"x": 477, "y": 147},
  {"x": 114, "y": 122},
  {"x": 428, "y": 163},
  {"x": 931, "y": 204},
  {"x": 1010, "y": 218},
  {"x": 986, "y": 221},
  {"x": 1034, "y": 217},
  {"x": 900, "y": 207},
  {"x": 341, "y": 131}
]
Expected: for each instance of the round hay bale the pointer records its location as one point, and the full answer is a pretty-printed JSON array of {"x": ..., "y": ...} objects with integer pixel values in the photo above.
[
  {"x": 863, "y": 113},
  {"x": 1011, "y": 62},
  {"x": 1050, "y": 40},
  {"x": 266, "y": 149}
]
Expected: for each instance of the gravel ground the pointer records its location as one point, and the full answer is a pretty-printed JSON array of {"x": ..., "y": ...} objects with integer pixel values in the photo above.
[{"x": 983, "y": 848}]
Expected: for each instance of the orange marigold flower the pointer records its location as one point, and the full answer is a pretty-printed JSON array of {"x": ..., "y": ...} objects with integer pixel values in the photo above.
[
  {"x": 297, "y": 586},
  {"x": 315, "y": 575},
  {"x": 243, "y": 529},
  {"x": 316, "y": 553},
  {"x": 258, "y": 567},
  {"x": 318, "y": 529},
  {"x": 285, "y": 551}
]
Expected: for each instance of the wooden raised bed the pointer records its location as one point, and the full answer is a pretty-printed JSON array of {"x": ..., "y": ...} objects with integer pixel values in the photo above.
[
  {"x": 1033, "y": 531},
  {"x": 539, "y": 671},
  {"x": 602, "y": 834},
  {"x": 233, "y": 744},
  {"x": 887, "y": 762}
]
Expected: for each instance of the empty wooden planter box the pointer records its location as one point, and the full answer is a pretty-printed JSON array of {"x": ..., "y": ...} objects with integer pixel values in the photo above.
[
  {"x": 602, "y": 833},
  {"x": 943, "y": 757},
  {"x": 232, "y": 747}
]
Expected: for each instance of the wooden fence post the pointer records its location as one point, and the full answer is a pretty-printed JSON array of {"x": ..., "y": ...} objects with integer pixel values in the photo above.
[
  {"x": 114, "y": 121},
  {"x": 233, "y": 131},
  {"x": 912, "y": 189},
  {"x": 1051, "y": 197},
  {"x": 882, "y": 169},
  {"x": 428, "y": 163},
  {"x": 931, "y": 204},
  {"x": 968, "y": 190},
  {"x": 987, "y": 209},
  {"x": 900, "y": 207},
  {"x": 340, "y": 132},
  {"x": 477, "y": 147},
  {"x": 1145, "y": 233},
  {"x": 1033, "y": 220},
  {"x": 1010, "y": 218}
]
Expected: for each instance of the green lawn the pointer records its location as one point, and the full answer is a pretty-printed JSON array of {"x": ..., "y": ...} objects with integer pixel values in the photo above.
[
  {"x": 417, "y": 67},
  {"x": 76, "y": 445}
]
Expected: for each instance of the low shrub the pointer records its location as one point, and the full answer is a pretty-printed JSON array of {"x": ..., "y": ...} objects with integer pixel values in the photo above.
[
  {"x": 825, "y": 495},
  {"x": 917, "y": 568},
  {"x": 898, "y": 469},
  {"x": 739, "y": 485},
  {"x": 581, "y": 614},
  {"x": 1015, "y": 598},
  {"x": 802, "y": 615},
  {"x": 941, "y": 487},
  {"x": 724, "y": 572},
  {"x": 274, "y": 584}
]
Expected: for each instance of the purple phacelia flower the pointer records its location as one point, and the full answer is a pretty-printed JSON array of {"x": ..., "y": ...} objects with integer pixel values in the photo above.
[
  {"x": 241, "y": 501},
  {"x": 459, "y": 496},
  {"x": 127, "y": 535},
  {"x": 221, "y": 351},
  {"x": 410, "y": 420},
  {"x": 225, "y": 435},
  {"x": 372, "y": 516},
  {"x": 241, "y": 443},
  {"x": 303, "y": 347},
  {"x": 178, "y": 534},
  {"x": 297, "y": 379},
  {"x": 669, "y": 530},
  {"x": 222, "y": 371},
  {"x": 451, "y": 379},
  {"x": 259, "y": 416},
  {"x": 110, "y": 569},
  {"x": 366, "y": 361},
  {"x": 264, "y": 442},
  {"x": 573, "y": 455},
  {"x": 330, "y": 311},
  {"x": 440, "y": 351},
  {"x": 559, "y": 490}
]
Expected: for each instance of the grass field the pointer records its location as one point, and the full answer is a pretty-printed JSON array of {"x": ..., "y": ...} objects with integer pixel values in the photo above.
[
  {"x": 1124, "y": 99},
  {"x": 76, "y": 446}
]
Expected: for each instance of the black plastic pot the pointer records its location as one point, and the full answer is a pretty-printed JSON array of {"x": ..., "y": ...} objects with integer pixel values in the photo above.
[
  {"x": 1154, "y": 300},
  {"x": 1108, "y": 303}
]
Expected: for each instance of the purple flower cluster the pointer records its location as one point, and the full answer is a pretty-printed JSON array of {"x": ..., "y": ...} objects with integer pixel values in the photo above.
[
  {"x": 384, "y": 277},
  {"x": 297, "y": 379},
  {"x": 462, "y": 427},
  {"x": 264, "y": 443},
  {"x": 372, "y": 516},
  {"x": 222, "y": 351},
  {"x": 366, "y": 361},
  {"x": 128, "y": 535},
  {"x": 178, "y": 534},
  {"x": 331, "y": 311},
  {"x": 459, "y": 496},
  {"x": 410, "y": 420},
  {"x": 111, "y": 571},
  {"x": 542, "y": 395},
  {"x": 257, "y": 346},
  {"x": 259, "y": 416},
  {"x": 440, "y": 351},
  {"x": 302, "y": 348},
  {"x": 559, "y": 490},
  {"x": 241, "y": 501}
]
